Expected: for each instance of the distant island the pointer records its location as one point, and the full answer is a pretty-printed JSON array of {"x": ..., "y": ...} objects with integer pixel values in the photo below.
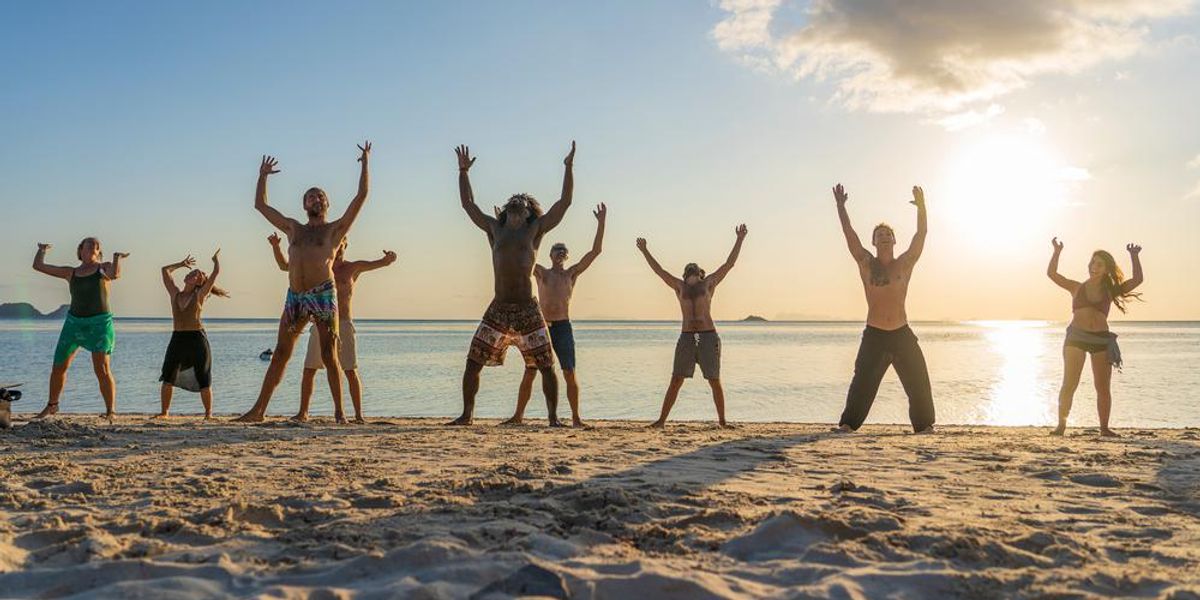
[
  {"x": 754, "y": 319},
  {"x": 25, "y": 310}
]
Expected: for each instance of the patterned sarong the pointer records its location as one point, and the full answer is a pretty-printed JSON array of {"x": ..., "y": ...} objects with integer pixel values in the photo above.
[
  {"x": 94, "y": 334},
  {"x": 318, "y": 304},
  {"x": 506, "y": 324}
]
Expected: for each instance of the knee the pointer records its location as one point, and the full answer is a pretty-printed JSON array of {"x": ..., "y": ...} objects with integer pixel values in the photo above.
[
  {"x": 101, "y": 369},
  {"x": 547, "y": 372}
]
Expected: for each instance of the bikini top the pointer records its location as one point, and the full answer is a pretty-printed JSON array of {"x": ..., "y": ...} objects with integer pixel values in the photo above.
[{"x": 1080, "y": 300}]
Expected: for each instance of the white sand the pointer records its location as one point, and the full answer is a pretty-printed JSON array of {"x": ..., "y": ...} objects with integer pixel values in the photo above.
[{"x": 407, "y": 508}]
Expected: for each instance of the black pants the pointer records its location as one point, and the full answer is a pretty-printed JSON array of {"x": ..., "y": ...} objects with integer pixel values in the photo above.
[{"x": 879, "y": 349}]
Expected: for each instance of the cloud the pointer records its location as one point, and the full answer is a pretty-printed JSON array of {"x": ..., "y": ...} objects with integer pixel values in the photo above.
[
  {"x": 1194, "y": 163},
  {"x": 934, "y": 56},
  {"x": 970, "y": 118}
]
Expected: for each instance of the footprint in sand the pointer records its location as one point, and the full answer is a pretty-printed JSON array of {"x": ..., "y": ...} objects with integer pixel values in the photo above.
[{"x": 1096, "y": 480}]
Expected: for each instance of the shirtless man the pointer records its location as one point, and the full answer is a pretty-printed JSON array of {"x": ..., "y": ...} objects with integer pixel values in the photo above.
[
  {"x": 310, "y": 296},
  {"x": 887, "y": 339},
  {"x": 555, "y": 286},
  {"x": 698, "y": 342},
  {"x": 514, "y": 316},
  {"x": 345, "y": 275}
]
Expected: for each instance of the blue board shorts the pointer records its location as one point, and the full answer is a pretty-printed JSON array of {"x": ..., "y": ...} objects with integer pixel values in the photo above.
[{"x": 562, "y": 338}]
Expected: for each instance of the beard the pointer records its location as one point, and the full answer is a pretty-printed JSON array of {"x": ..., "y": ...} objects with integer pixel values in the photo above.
[{"x": 315, "y": 212}]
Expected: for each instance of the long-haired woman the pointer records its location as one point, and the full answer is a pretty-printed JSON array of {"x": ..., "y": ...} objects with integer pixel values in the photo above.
[
  {"x": 188, "y": 362},
  {"x": 89, "y": 324},
  {"x": 1088, "y": 332}
]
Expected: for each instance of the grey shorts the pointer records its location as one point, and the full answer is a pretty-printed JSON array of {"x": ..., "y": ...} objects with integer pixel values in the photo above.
[{"x": 702, "y": 347}]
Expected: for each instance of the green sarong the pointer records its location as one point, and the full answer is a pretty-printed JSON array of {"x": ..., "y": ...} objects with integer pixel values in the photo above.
[{"x": 94, "y": 334}]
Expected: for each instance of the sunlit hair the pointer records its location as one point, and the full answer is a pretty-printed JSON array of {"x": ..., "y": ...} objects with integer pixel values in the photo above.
[
  {"x": 884, "y": 226},
  {"x": 1112, "y": 279},
  {"x": 535, "y": 209},
  {"x": 558, "y": 246},
  {"x": 79, "y": 249},
  {"x": 202, "y": 278},
  {"x": 320, "y": 192},
  {"x": 693, "y": 269}
]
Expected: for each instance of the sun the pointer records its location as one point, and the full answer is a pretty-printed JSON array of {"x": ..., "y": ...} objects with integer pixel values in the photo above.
[{"x": 1009, "y": 183}]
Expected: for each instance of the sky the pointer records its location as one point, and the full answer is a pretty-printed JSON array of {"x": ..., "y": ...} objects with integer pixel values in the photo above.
[{"x": 143, "y": 123}]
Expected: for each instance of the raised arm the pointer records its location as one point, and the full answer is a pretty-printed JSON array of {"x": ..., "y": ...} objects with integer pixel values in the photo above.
[
  {"x": 265, "y": 169},
  {"x": 362, "y": 266},
  {"x": 1052, "y": 269},
  {"x": 852, "y": 242},
  {"x": 555, "y": 215},
  {"x": 167, "y": 270},
  {"x": 364, "y": 187},
  {"x": 465, "y": 162},
  {"x": 39, "y": 264},
  {"x": 670, "y": 280},
  {"x": 723, "y": 270},
  {"x": 918, "y": 242},
  {"x": 112, "y": 270},
  {"x": 601, "y": 214},
  {"x": 207, "y": 288},
  {"x": 1135, "y": 252},
  {"x": 280, "y": 260}
]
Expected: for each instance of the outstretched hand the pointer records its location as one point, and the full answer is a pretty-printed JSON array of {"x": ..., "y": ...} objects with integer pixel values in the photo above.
[
  {"x": 44, "y": 247},
  {"x": 569, "y": 161},
  {"x": 918, "y": 197},
  {"x": 601, "y": 212},
  {"x": 188, "y": 262},
  {"x": 389, "y": 257},
  {"x": 216, "y": 255},
  {"x": 1058, "y": 246},
  {"x": 840, "y": 195},
  {"x": 1133, "y": 249},
  {"x": 268, "y": 166},
  {"x": 741, "y": 231},
  {"x": 117, "y": 255},
  {"x": 365, "y": 148},
  {"x": 464, "y": 158},
  {"x": 274, "y": 239},
  {"x": 641, "y": 244}
]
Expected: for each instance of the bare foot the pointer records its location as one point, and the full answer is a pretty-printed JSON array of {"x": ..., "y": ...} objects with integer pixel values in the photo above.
[
  {"x": 250, "y": 417},
  {"x": 557, "y": 423},
  {"x": 51, "y": 409},
  {"x": 726, "y": 425},
  {"x": 463, "y": 420},
  {"x": 512, "y": 421},
  {"x": 842, "y": 429},
  {"x": 340, "y": 418},
  {"x": 1059, "y": 431},
  {"x": 299, "y": 418},
  {"x": 358, "y": 420},
  {"x": 161, "y": 416},
  {"x": 927, "y": 431},
  {"x": 1109, "y": 433},
  {"x": 657, "y": 425},
  {"x": 578, "y": 423},
  {"x": 108, "y": 416},
  {"x": 208, "y": 418}
]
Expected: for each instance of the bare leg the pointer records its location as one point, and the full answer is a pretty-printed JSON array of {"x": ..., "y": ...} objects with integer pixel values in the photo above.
[
  {"x": 470, "y": 387},
  {"x": 550, "y": 389},
  {"x": 108, "y": 385},
  {"x": 669, "y": 400},
  {"x": 164, "y": 397},
  {"x": 333, "y": 367},
  {"x": 306, "y": 392},
  {"x": 206, "y": 399},
  {"x": 58, "y": 379},
  {"x": 284, "y": 345},
  {"x": 718, "y": 399},
  {"x": 1073, "y": 359},
  {"x": 1102, "y": 374},
  {"x": 355, "y": 394},
  {"x": 524, "y": 393},
  {"x": 573, "y": 398}
]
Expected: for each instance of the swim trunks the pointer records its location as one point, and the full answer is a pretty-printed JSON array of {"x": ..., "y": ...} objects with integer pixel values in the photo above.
[
  {"x": 94, "y": 334},
  {"x": 702, "y": 347},
  {"x": 318, "y": 304},
  {"x": 562, "y": 338},
  {"x": 508, "y": 323}
]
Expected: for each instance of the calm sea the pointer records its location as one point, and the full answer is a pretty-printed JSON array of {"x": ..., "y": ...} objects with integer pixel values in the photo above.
[{"x": 998, "y": 373}]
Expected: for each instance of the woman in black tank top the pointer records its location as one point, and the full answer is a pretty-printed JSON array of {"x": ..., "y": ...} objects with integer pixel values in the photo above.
[{"x": 89, "y": 324}]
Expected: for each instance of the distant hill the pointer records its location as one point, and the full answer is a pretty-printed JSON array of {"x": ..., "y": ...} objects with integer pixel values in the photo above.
[
  {"x": 25, "y": 310},
  {"x": 754, "y": 319}
]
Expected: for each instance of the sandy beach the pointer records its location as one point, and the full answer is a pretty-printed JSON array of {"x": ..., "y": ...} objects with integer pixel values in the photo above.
[{"x": 407, "y": 508}]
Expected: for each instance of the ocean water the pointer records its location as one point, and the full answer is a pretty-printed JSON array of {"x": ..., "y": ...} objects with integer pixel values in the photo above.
[{"x": 996, "y": 373}]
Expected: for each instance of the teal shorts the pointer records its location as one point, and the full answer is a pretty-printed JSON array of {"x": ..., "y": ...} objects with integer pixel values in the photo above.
[{"x": 94, "y": 334}]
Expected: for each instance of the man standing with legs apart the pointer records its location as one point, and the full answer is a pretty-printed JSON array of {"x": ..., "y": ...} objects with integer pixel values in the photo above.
[
  {"x": 698, "y": 342},
  {"x": 555, "y": 286},
  {"x": 310, "y": 296},
  {"x": 345, "y": 276},
  {"x": 514, "y": 316},
  {"x": 887, "y": 339}
]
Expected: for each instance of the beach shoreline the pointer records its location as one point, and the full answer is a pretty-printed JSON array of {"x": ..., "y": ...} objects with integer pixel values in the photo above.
[{"x": 406, "y": 507}]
